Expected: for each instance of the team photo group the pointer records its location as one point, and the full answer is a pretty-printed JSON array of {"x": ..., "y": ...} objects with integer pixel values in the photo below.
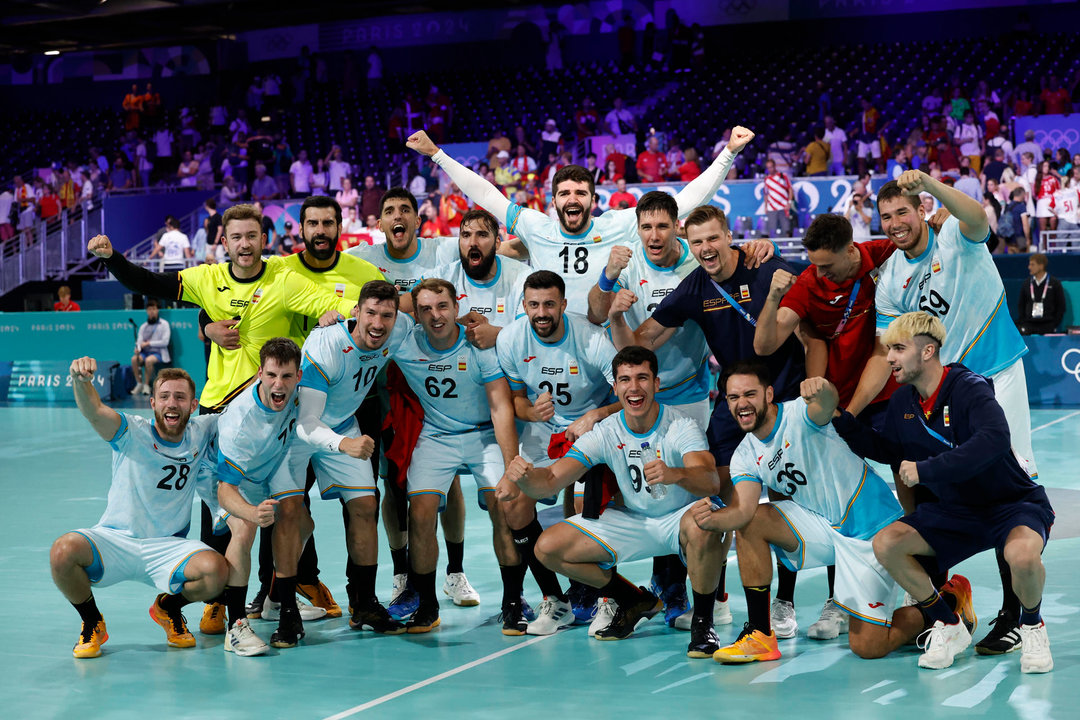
[{"x": 870, "y": 416}]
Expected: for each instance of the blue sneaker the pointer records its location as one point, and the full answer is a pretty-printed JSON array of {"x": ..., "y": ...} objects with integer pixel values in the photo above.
[
  {"x": 675, "y": 602},
  {"x": 583, "y": 600},
  {"x": 406, "y": 600},
  {"x": 527, "y": 610}
]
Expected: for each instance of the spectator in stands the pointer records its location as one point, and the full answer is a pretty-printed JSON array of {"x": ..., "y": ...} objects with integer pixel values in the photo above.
[
  {"x": 611, "y": 174},
  {"x": 255, "y": 94},
  {"x": 64, "y": 302},
  {"x": 132, "y": 109},
  {"x": 239, "y": 127},
  {"x": 375, "y": 69},
  {"x": 1073, "y": 178},
  {"x": 948, "y": 159},
  {"x": 868, "y": 144},
  {"x": 969, "y": 137},
  {"x": 431, "y": 224},
  {"x": 370, "y": 196},
  {"x": 452, "y": 207},
  {"x": 99, "y": 161},
  {"x": 675, "y": 158},
  {"x": 995, "y": 167},
  {"x": 199, "y": 240},
  {"x": 625, "y": 39},
  {"x": 143, "y": 166},
  {"x": 263, "y": 188},
  {"x": 817, "y": 153},
  {"x": 8, "y": 215},
  {"x": 347, "y": 196},
  {"x": 1042, "y": 301},
  {"x": 958, "y": 104},
  {"x": 521, "y": 164},
  {"x": 690, "y": 169},
  {"x": 992, "y": 208},
  {"x": 521, "y": 140},
  {"x": 268, "y": 230},
  {"x": 1023, "y": 105},
  {"x": 498, "y": 143},
  {"x": 551, "y": 140},
  {"x": 620, "y": 199},
  {"x": 188, "y": 170},
  {"x": 209, "y": 157},
  {"x": 439, "y": 112},
  {"x": 837, "y": 140},
  {"x": 619, "y": 120},
  {"x": 320, "y": 178},
  {"x": 586, "y": 120},
  {"x": 290, "y": 242},
  {"x": 151, "y": 348},
  {"x": 231, "y": 192},
  {"x": 374, "y": 232},
  {"x": 283, "y": 160},
  {"x": 1045, "y": 185},
  {"x": 652, "y": 164},
  {"x": 49, "y": 204},
  {"x": 300, "y": 176},
  {"x": 595, "y": 170},
  {"x": 504, "y": 174},
  {"x": 996, "y": 192},
  {"x": 24, "y": 193},
  {"x": 337, "y": 168},
  {"x": 271, "y": 91},
  {"x": 163, "y": 155},
  {"x": 173, "y": 247},
  {"x": 969, "y": 185},
  {"x": 350, "y": 223},
  {"x": 67, "y": 190},
  {"x": 859, "y": 215},
  {"x": 932, "y": 103},
  {"x": 778, "y": 199},
  {"x": 555, "y": 34},
  {"x": 783, "y": 153},
  {"x": 1054, "y": 99},
  {"x": 151, "y": 107},
  {"x": 621, "y": 163},
  {"x": 119, "y": 176},
  {"x": 1014, "y": 223}
]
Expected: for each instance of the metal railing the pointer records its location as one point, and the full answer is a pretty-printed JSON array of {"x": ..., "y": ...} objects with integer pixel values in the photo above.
[
  {"x": 51, "y": 250},
  {"x": 1059, "y": 241}
]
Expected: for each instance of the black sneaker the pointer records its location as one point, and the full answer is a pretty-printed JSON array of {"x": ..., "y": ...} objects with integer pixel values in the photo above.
[
  {"x": 703, "y": 639},
  {"x": 628, "y": 618},
  {"x": 371, "y": 615},
  {"x": 513, "y": 619},
  {"x": 1004, "y": 636},
  {"x": 290, "y": 629},
  {"x": 253, "y": 610},
  {"x": 425, "y": 619}
]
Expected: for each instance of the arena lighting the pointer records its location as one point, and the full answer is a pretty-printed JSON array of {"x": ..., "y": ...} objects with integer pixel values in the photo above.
[{"x": 52, "y": 52}]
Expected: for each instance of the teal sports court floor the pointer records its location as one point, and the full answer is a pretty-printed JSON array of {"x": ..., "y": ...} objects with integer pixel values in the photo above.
[{"x": 54, "y": 475}]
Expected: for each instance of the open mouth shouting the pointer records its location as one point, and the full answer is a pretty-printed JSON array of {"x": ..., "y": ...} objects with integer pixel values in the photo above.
[
  {"x": 277, "y": 399},
  {"x": 635, "y": 401},
  {"x": 374, "y": 337},
  {"x": 710, "y": 261},
  {"x": 474, "y": 257},
  {"x": 746, "y": 416},
  {"x": 172, "y": 420},
  {"x": 397, "y": 232},
  {"x": 543, "y": 325}
]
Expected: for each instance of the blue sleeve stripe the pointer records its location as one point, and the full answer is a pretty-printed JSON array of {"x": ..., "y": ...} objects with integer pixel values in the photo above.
[
  {"x": 493, "y": 378},
  {"x": 575, "y": 454},
  {"x": 512, "y": 214},
  {"x": 312, "y": 363},
  {"x": 514, "y": 381},
  {"x": 977, "y": 242},
  {"x": 743, "y": 477},
  {"x": 120, "y": 432},
  {"x": 229, "y": 472}
]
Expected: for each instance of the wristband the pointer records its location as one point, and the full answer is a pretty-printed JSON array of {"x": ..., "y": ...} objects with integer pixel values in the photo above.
[{"x": 605, "y": 284}]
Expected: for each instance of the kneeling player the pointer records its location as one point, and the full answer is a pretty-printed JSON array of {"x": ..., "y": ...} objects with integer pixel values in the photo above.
[
  {"x": 661, "y": 462},
  {"x": 156, "y": 466}
]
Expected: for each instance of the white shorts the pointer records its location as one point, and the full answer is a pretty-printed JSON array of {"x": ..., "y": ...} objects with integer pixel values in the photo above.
[
  {"x": 629, "y": 535},
  {"x": 339, "y": 475},
  {"x": 438, "y": 457},
  {"x": 159, "y": 562},
  {"x": 1043, "y": 209},
  {"x": 863, "y": 588},
  {"x": 1010, "y": 388},
  {"x": 699, "y": 412},
  {"x": 282, "y": 484},
  {"x": 872, "y": 148}
]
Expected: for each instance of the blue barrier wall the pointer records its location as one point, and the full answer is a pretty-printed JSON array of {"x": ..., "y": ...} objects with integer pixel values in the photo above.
[
  {"x": 1053, "y": 369},
  {"x": 130, "y": 219},
  {"x": 106, "y": 335}
]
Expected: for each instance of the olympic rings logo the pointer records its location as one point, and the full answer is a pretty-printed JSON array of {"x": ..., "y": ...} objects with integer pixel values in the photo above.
[
  {"x": 1075, "y": 369},
  {"x": 1058, "y": 138}
]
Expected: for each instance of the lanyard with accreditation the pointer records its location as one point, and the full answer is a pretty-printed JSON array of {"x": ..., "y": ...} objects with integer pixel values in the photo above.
[{"x": 732, "y": 302}]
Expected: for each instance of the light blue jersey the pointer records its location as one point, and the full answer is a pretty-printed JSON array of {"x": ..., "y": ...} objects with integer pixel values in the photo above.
[
  {"x": 449, "y": 383},
  {"x": 611, "y": 442},
  {"x": 430, "y": 253},
  {"x": 253, "y": 439},
  {"x": 816, "y": 469},
  {"x": 576, "y": 370},
  {"x": 575, "y": 258},
  {"x": 683, "y": 360},
  {"x": 154, "y": 481},
  {"x": 954, "y": 279},
  {"x": 499, "y": 299},
  {"x": 337, "y": 366}
]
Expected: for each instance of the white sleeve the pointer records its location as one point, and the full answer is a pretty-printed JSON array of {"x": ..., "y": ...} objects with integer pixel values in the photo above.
[
  {"x": 311, "y": 429},
  {"x": 701, "y": 189},
  {"x": 475, "y": 187},
  {"x": 166, "y": 335}
]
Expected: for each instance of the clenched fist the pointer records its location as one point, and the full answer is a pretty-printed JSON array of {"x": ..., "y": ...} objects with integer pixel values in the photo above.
[
  {"x": 543, "y": 408},
  {"x": 621, "y": 303},
  {"x": 83, "y": 369},
  {"x": 617, "y": 261},
  {"x": 360, "y": 448},
  {"x": 782, "y": 281},
  {"x": 100, "y": 246},
  {"x": 740, "y": 138},
  {"x": 421, "y": 143}
]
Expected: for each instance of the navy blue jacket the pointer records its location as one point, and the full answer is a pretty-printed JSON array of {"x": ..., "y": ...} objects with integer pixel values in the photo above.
[{"x": 962, "y": 451}]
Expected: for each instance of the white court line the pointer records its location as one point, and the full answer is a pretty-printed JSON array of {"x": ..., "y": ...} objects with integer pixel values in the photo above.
[
  {"x": 1055, "y": 422},
  {"x": 436, "y": 678}
]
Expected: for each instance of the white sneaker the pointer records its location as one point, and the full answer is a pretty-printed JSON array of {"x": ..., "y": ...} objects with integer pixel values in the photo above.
[
  {"x": 272, "y": 610},
  {"x": 138, "y": 389},
  {"x": 145, "y": 389},
  {"x": 942, "y": 643},
  {"x": 1035, "y": 649},
  {"x": 783, "y": 621},
  {"x": 605, "y": 613},
  {"x": 721, "y": 615},
  {"x": 400, "y": 581},
  {"x": 832, "y": 624},
  {"x": 460, "y": 591},
  {"x": 552, "y": 615},
  {"x": 243, "y": 641}
]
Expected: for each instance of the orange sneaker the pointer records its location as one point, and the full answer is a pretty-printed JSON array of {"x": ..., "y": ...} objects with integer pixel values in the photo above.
[
  {"x": 319, "y": 596},
  {"x": 751, "y": 645},
  {"x": 89, "y": 644},
  {"x": 959, "y": 587},
  {"x": 213, "y": 619},
  {"x": 175, "y": 627}
]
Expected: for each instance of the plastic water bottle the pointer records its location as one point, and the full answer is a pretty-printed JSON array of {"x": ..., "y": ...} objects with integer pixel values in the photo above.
[{"x": 658, "y": 491}]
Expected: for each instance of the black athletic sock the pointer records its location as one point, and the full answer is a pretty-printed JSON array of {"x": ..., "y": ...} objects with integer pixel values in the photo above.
[
  {"x": 757, "y": 607},
  {"x": 525, "y": 540},
  {"x": 703, "y": 604},
  {"x": 455, "y": 553},
  {"x": 1010, "y": 603},
  {"x": 235, "y": 601},
  {"x": 272, "y": 592},
  {"x": 286, "y": 591},
  {"x": 401, "y": 560},
  {"x": 1031, "y": 616},
  {"x": 266, "y": 555},
  {"x": 659, "y": 568},
  {"x": 935, "y": 608},
  {"x": 721, "y": 593},
  {"x": 785, "y": 583},
  {"x": 513, "y": 581},
  {"x": 425, "y": 588},
  {"x": 676, "y": 571},
  {"x": 88, "y": 611},
  {"x": 172, "y": 604},
  {"x": 830, "y": 573},
  {"x": 621, "y": 590},
  {"x": 363, "y": 582}
]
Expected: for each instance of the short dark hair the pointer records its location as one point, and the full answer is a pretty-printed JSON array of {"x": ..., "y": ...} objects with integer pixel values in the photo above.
[
  {"x": 892, "y": 190},
  {"x": 395, "y": 193},
  {"x": 1017, "y": 193},
  {"x": 705, "y": 213},
  {"x": 380, "y": 291},
  {"x": 544, "y": 279},
  {"x": 657, "y": 201},
  {"x": 153, "y": 302},
  {"x": 171, "y": 221},
  {"x": 828, "y": 232},
  {"x": 210, "y": 203},
  {"x": 745, "y": 367},
  {"x": 282, "y": 349},
  {"x": 635, "y": 355},
  {"x": 435, "y": 285},
  {"x": 483, "y": 217},
  {"x": 320, "y": 201},
  {"x": 574, "y": 173}
]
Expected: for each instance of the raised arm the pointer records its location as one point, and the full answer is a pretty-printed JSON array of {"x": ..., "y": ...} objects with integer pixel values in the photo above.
[
  {"x": 103, "y": 418},
  {"x": 973, "y": 222},
  {"x": 133, "y": 277},
  {"x": 701, "y": 189},
  {"x": 821, "y": 399},
  {"x": 775, "y": 324},
  {"x": 602, "y": 294},
  {"x": 874, "y": 376},
  {"x": 475, "y": 187}
]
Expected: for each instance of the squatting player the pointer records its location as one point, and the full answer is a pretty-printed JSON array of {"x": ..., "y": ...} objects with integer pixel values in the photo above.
[{"x": 155, "y": 470}]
